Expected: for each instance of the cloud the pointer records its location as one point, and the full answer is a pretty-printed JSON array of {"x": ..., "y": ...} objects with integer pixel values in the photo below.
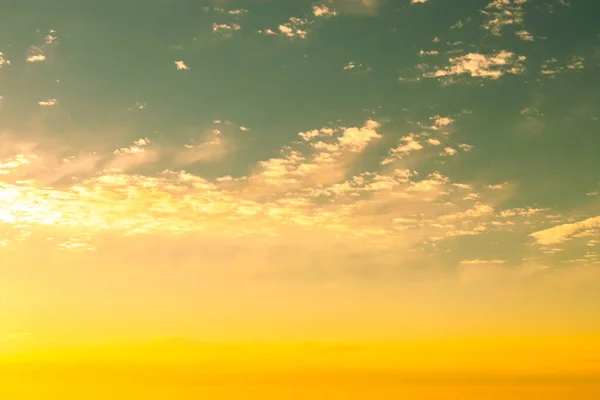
[
  {"x": 501, "y": 13},
  {"x": 449, "y": 151},
  {"x": 564, "y": 232},
  {"x": 50, "y": 38},
  {"x": 323, "y": 11},
  {"x": 292, "y": 28},
  {"x": 35, "y": 54},
  {"x": 552, "y": 67},
  {"x": 237, "y": 12},
  {"x": 225, "y": 29},
  {"x": 482, "y": 262},
  {"x": 3, "y": 60},
  {"x": 48, "y": 103},
  {"x": 180, "y": 65},
  {"x": 524, "y": 35},
  {"x": 478, "y": 65},
  {"x": 418, "y": 1},
  {"x": 312, "y": 189}
]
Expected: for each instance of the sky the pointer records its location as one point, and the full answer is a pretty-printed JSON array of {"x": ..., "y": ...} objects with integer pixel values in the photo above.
[{"x": 352, "y": 198}]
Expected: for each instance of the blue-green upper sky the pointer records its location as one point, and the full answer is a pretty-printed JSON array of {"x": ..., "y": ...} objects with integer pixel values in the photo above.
[{"x": 498, "y": 99}]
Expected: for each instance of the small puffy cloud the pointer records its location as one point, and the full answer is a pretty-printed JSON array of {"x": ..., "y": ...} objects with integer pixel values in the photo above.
[
  {"x": 292, "y": 28},
  {"x": 50, "y": 38},
  {"x": 495, "y": 187},
  {"x": 524, "y": 35},
  {"x": 48, "y": 103},
  {"x": 356, "y": 139},
  {"x": 3, "y": 60},
  {"x": 35, "y": 54},
  {"x": 418, "y": 1},
  {"x": 181, "y": 66},
  {"x": 449, "y": 151},
  {"x": 225, "y": 29},
  {"x": 428, "y": 52}
]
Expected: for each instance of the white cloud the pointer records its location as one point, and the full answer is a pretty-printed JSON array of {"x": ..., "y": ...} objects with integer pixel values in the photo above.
[
  {"x": 35, "y": 54},
  {"x": 36, "y": 58},
  {"x": 50, "y": 38},
  {"x": 293, "y": 28},
  {"x": 500, "y": 13},
  {"x": 478, "y": 65},
  {"x": 552, "y": 67},
  {"x": 323, "y": 11},
  {"x": 524, "y": 35},
  {"x": 3, "y": 61},
  {"x": 48, "y": 103},
  {"x": 407, "y": 146},
  {"x": 449, "y": 151},
  {"x": 418, "y": 1},
  {"x": 564, "y": 232},
  {"x": 237, "y": 12},
  {"x": 181, "y": 65},
  {"x": 225, "y": 29}
]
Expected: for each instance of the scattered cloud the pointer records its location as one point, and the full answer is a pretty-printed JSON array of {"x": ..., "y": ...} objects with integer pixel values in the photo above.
[
  {"x": 292, "y": 28},
  {"x": 478, "y": 65},
  {"x": 50, "y": 37},
  {"x": 323, "y": 11},
  {"x": 552, "y": 67},
  {"x": 500, "y": 13}
]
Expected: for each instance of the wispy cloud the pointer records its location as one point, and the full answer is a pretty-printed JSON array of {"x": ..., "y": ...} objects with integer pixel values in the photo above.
[{"x": 564, "y": 232}]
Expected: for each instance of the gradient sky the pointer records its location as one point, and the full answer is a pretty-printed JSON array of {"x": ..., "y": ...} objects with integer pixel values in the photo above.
[{"x": 370, "y": 185}]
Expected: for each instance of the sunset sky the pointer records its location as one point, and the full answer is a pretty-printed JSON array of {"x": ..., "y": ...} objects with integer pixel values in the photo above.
[{"x": 266, "y": 199}]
